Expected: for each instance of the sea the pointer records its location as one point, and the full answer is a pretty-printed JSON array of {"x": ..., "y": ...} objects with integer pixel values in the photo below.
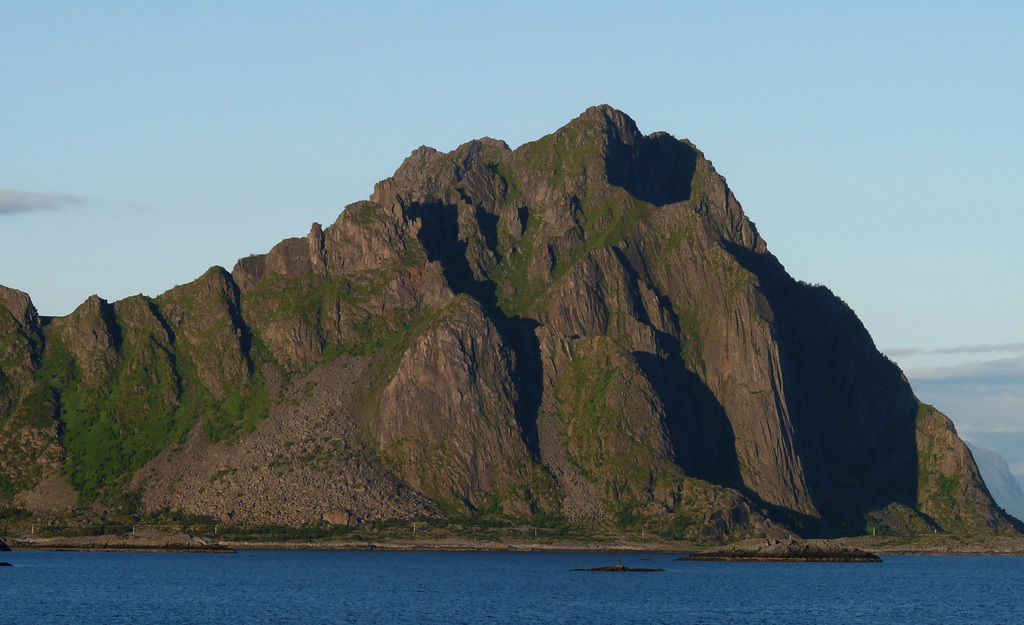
[{"x": 257, "y": 587}]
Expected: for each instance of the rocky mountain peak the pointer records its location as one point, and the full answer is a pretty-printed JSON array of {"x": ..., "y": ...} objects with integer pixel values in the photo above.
[
  {"x": 19, "y": 305},
  {"x": 21, "y": 335},
  {"x": 91, "y": 333},
  {"x": 587, "y": 327},
  {"x": 608, "y": 121}
]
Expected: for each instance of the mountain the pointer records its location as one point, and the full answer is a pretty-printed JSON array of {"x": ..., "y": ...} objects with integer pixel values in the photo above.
[
  {"x": 1002, "y": 484},
  {"x": 586, "y": 330}
]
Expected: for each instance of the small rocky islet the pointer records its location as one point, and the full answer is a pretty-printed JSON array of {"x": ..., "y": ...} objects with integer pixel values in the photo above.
[
  {"x": 619, "y": 568},
  {"x": 785, "y": 551}
]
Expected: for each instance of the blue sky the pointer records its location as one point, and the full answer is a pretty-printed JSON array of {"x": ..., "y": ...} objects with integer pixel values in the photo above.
[{"x": 879, "y": 147}]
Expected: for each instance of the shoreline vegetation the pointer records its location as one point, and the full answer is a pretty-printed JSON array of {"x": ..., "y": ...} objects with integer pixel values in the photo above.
[
  {"x": 151, "y": 541},
  {"x": 173, "y": 531},
  {"x": 789, "y": 550}
]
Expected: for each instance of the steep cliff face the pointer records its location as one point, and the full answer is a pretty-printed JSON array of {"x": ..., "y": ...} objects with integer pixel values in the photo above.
[
  {"x": 952, "y": 491},
  {"x": 459, "y": 375},
  {"x": 586, "y": 327},
  {"x": 28, "y": 430}
]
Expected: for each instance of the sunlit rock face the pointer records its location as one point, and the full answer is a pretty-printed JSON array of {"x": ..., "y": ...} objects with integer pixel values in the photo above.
[{"x": 587, "y": 327}]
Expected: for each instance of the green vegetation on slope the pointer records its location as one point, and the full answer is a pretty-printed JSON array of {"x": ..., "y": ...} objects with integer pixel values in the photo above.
[
  {"x": 613, "y": 430},
  {"x": 111, "y": 431}
]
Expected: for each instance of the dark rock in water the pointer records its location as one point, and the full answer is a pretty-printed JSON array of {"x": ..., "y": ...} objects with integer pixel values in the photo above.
[
  {"x": 619, "y": 568},
  {"x": 787, "y": 551},
  {"x": 6, "y": 564}
]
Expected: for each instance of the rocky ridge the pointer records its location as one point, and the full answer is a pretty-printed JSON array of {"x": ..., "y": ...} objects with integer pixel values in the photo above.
[{"x": 585, "y": 328}]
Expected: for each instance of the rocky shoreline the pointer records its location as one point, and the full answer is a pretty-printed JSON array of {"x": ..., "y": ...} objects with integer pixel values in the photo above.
[
  {"x": 753, "y": 550},
  {"x": 786, "y": 551},
  {"x": 171, "y": 544}
]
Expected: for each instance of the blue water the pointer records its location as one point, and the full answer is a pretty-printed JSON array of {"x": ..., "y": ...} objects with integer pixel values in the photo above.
[{"x": 258, "y": 587}]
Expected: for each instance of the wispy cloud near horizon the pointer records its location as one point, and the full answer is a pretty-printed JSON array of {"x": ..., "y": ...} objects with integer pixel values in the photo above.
[
  {"x": 972, "y": 431},
  {"x": 960, "y": 349},
  {"x": 991, "y": 372},
  {"x": 984, "y": 399},
  {"x": 1017, "y": 468},
  {"x": 12, "y": 201}
]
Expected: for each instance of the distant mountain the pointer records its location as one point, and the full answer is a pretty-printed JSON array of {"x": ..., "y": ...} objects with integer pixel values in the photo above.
[
  {"x": 1001, "y": 482},
  {"x": 587, "y": 330}
]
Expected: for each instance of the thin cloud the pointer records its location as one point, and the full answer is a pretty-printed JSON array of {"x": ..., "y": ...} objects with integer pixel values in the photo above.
[
  {"x": 12, "y": 201},
  {"x": 1017, "y": 468},
  {"x": 972, "y": 430},
  {"x": 904, "y": 351},
  {"x": 960, "y": 349},
  {"x": 991, "y": 372},
  {"x": 981, "y": 349}
]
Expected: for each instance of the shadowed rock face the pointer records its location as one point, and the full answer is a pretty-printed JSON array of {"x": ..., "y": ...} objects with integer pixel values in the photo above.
[{"x": 587, "y": 326}]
